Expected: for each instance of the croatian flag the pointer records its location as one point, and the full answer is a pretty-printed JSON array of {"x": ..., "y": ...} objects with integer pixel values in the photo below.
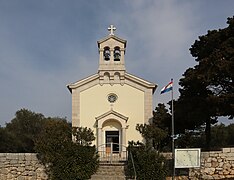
[{"x": 167, "y": 88}]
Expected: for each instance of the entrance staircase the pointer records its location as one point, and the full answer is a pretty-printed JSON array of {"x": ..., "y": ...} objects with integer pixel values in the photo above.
[
  {"x": 112, "y": 163},
  {"x": 106, "y": 171}
]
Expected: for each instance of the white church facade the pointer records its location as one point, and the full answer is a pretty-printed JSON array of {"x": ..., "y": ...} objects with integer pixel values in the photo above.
[{"x": 112, "y": 102}]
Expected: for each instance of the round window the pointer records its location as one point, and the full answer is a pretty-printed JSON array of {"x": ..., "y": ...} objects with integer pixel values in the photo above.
[{"x": 112, "y": 98}]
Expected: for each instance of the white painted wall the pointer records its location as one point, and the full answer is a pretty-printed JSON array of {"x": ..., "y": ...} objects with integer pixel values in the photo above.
[{"x": 130, "y": 103}]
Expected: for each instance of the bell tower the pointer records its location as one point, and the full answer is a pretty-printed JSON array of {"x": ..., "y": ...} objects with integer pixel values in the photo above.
[{"x": 111, "y": 59}]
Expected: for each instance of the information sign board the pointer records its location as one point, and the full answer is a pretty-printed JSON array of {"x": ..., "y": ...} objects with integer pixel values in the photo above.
[{"x": 187, "y": 158}]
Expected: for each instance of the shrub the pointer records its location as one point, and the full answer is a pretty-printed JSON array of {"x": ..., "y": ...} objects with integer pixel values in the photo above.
[
  {"x": 149, "y": 164},
  {"x": 63, "y": 158}
]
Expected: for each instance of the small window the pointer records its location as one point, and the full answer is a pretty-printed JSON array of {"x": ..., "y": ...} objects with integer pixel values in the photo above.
[
  {"x": 106, "y": 53},
  {"x": 117, "y": 54},
  {"x": 112, "y": 97}
]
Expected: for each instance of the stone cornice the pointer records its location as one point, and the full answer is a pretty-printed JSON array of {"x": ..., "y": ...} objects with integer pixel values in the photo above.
[
  {"x": 129, "y": 78},
  {"x": 141, "y": 81},
  {"x": 113, "y": 37},
  {"x": 112, "y": 112},
  {"x": 82, "y": 82}
]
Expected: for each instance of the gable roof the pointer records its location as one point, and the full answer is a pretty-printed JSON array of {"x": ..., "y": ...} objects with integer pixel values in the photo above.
[
  {"x": 94, "y": 79},
  {"x": 112, "y": 37},
  {"x": 141, "y": 81},
  {"x": 82, "y": 82}
]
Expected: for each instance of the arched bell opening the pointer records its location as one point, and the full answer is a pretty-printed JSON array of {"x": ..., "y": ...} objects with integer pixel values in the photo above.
[
  {"x": 117, "y": 54},
  {"x": 106, "y": 54}
]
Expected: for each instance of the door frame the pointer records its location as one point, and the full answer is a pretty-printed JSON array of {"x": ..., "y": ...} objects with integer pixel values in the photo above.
[{"x": 112, "y": 145}]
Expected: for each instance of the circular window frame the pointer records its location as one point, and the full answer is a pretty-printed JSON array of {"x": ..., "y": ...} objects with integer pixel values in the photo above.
[{"x": 112, "y": 98}]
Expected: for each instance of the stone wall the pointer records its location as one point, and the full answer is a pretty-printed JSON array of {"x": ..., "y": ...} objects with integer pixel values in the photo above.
[
  {"x": 215, "y": 165},
  {"x": 21, "y": 166}
]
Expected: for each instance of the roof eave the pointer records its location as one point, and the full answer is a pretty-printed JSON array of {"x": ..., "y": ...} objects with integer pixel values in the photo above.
[
  {"x": 82, "y": 82},
  {"x": 114, "y": 37}
]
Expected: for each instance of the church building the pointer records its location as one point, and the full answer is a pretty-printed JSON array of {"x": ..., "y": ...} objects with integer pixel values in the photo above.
[{"x": 112, "y": 102}]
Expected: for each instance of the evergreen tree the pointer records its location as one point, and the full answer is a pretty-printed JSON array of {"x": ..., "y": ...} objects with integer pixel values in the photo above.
[
  {"x": 207, "y": 90},
  {"x": 157, "y": 132},
  {"x": 23, "y": 129}
]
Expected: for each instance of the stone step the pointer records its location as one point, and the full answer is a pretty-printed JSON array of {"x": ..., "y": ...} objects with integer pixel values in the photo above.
[
  {"x": 110, "y": 171},
  {"x": 102, "y": 177},
  {"x": 109, "y": 174},
  {"x": 120, "y": 168},
  {"x": 113, "y": 163}
]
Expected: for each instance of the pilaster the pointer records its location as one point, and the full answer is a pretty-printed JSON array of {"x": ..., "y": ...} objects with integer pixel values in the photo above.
[{"x": 75, "y": 108}]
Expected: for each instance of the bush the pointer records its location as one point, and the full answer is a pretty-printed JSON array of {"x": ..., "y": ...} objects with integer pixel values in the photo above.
[
  {"x": 149, "y": 164},
  {"x": 74, "y": 162},
  {"x": 63, "y": 158}
]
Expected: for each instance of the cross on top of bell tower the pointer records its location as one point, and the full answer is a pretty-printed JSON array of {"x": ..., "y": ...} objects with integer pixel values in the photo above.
[
  {"x": 111, "y": 58},
  {"x": 112, "y": 28}
]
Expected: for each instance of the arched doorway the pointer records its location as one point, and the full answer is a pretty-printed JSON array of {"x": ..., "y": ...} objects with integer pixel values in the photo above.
[
  {"x": 112, "y": 135},
  {"x": 111, "y": 121}
]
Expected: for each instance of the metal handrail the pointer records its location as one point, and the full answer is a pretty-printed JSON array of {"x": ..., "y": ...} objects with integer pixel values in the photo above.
[
  {"x": 109, "y": 156},
  {"x": 133, "y": 165}
]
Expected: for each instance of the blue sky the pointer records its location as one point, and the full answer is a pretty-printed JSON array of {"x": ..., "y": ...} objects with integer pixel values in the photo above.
[{"x": 47, "y": 44}]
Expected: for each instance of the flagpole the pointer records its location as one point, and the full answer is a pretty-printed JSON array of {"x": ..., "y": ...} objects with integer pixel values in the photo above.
[
  {"x": 167, "y": 88},
  {"x": 172, "y": 133}
]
